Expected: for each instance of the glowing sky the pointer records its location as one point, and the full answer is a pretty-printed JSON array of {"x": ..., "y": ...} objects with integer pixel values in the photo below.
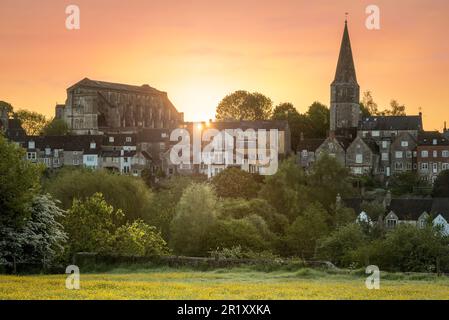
[{"x": 199, "y": 51}]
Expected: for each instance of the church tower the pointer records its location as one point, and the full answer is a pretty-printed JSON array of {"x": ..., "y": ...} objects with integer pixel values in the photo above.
[{"x": 345, "y": 91}]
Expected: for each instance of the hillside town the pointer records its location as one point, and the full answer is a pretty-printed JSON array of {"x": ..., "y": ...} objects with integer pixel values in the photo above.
[{"x": 127, "y": 129}]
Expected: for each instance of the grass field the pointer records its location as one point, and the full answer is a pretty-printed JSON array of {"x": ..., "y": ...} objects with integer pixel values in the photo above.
[{"x": 223, "y": 284}]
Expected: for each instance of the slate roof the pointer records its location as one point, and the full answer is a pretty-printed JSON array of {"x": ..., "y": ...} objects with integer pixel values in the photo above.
[
  {"x": 120, "y": 139},
  {"x": 144, "y": 89},
  {"x": 371, "y": 144},
  {"x": 353, "y": 203},
  {"x": 15, "y": 131},
  {"x": 67, "y": 143},
  {"x": 391, "y": 123},
  {"x": 345, "y": 72},
  {"x": 441, "y": 206},
  {"x": 410, "y": 209},
  {"x": 309, "y": 144},
  {"x": 426, "y": 138},
  {"x": 153, "y": 135}
]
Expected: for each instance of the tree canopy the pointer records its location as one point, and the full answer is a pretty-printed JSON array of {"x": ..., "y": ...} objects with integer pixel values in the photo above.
[{"x": 243, "y": 105}]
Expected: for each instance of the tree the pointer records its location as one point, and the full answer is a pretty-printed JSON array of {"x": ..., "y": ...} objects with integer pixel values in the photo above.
[
  {"x": 303, "y": 235},
  {"x": 242, "y": 105},
  {"x": 298, "y": 123},
  {"x": 6, "y": 107},
  {"x": 39, "y": 240},
  {"x": 286, "y": 191},
  {"x": 196, "y": 213},
  {"x": 235, "y": 183},
  {"x": 56, "y": 127},
  {"x": 91, "y": 224},
  {"x": 123, "y": 192},
  {"x": 441, "y": 185},
  {"x": 319, "y": 117},
  {"x": 396, "y": 109},
  {"x": 368, "y": 106},
  {"x": 327, "y": 179},
  {"x": 339, "y": 246},
  {"x": 32, "y": 122},
  {"x": 408, "y": 183},
  {"x": 139, "y": 239},
  {"x": 19, "y": 184}
]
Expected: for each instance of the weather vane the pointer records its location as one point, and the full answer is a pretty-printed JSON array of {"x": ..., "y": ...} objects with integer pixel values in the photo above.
[{"x": 346, "y": 16}]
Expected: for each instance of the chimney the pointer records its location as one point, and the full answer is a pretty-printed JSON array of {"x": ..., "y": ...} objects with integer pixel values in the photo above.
[{"x": 445, "y": 128}]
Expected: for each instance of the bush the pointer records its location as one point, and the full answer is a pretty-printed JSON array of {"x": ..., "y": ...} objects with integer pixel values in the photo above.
[{"x": 139, "y": 239}]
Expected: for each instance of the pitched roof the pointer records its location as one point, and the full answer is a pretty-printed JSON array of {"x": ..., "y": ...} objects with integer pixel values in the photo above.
[
  {"x": 427, "y": 138},
  {"x": 410, "y": 209},
  {"x": 153, "y": 135},
  {"x": 353, "y": 203},
  {"x": 371, "y": 144},
  {"x": 144, "y": 89},
  {"x": 309, "y": 144},
  {"x": 345, "y": 72},
  {"x": 67, "y": 143},
  {"x": 391, "y": 123},
  {"x": 441, "y": 206}
]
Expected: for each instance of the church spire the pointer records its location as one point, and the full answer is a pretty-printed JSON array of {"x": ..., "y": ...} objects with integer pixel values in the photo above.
[{"x": 345, "y": 67}]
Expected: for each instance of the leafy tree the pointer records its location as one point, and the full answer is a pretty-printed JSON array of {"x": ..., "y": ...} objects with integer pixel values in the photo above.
[
  {"x": 235, "y": 183},
  {"x": 441, "y": 185},
  {"x": 343, "y": 216},
  {"x": 123, "y": 192},
  {"x": 396, "y": 109},
  {"x": 164, "y": 204},
  {"x": 7, "y": 107},
  {"x": 39, "y": 240},
  {"x": 56, "y": 127},
  {"x": 139, "y": 239},
  {"x": 19, "y": 183},
  {"x": 368, "y": 106},
  {"x": 196, "y": 213},
  {"x": 286, "y": 190},
  {"x": 243, "y": 105},
  {"x": 408, "y": 183},
  {"x": 229, "y": 233},
  {"x": 327, "y": 179},
  {"x": 374, "y": 209},
  {"x": 32, "y": 122},
  {"x": 338, "y": 247},
  {"x": 319, "y": 117},
  {"x": 303, "y": 235},
  {"x": 91, "y": 224}
]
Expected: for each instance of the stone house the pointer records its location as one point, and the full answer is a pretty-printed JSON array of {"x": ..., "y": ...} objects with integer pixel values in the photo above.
[
  {"x": 335, "y": 147},
  {"x": 403, "y": 153},
  {"x": 305, "y": 155},
  {"x": 362, "y": 157},
  {"x": 432, "y": 155}
]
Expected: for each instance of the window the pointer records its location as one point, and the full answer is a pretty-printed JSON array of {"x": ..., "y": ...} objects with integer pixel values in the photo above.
[
  {"x": 424, "y": 166},
  {"x": 445, "y": 154},
  {"x": 359, "y": 158},
  {"x": 357, "y": 170},
  {"x": 409, "y": 166},
  {"x": 56, "y": 162},
  {"x": 404, "y": 143},
  {"x": 409, "y": 154},
  {"x": 424, "y": 154},
  {"x": 435, "y": 142},
  {"x": 385, "y": 156},
  {"x": 384, "y": 144},
  {"x": 93, "y": 145},
  {"x": 398, "y": 166},
  {"x": 47, "y": 162},
  {"x": 162, "y": 146},
  {"x": 75, "y": 162},
  {"x": 31, "y": 155},
  {"x": 375, "y": 133},
  {"x": 31, "y": 145},
  {"x": 111, "y": 139},
  {"x": 391, "y": 223},
  {"x": 47, "y": 151},
  {"x": 399, "y": 154},
  {"x": 435, "y": 167},
  {"x": 444, "y": 166},
  {"x": 125, "y": 159},
  {"x": 435, "y": 154},
  {"x": 90, "y": 158},
  {"x": 128, "y": 139},
  {"x": 304, "y": 153}
]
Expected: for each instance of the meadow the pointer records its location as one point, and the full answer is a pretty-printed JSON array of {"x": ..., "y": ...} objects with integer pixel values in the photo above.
[{"x": 239, "y": 283}]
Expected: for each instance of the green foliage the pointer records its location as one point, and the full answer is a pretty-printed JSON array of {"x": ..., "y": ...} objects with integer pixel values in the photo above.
[
  {"x": 123, "y": 192},
  {"x": 441, "y": 185},
  {"x": 235, "y": 183},
  {"x": 196, "y": 213},
  {"x": 339, "y": 246},
  {"x": 39, "y": 240},
  {"x": 6, "y": 107},
  {"x": 138, "y": 239},
  {"x": 164, "y": 204},
  {"x": 327, "y": 179},
  {"x": 32, "y": 122},
  {"x": 243, "y": 105},
  {"x": 319, "y": 117},
  {"x": 91, "y": 224},
  {"x": 408, "y": 183},
  {"x": 56, "y": 127},
  {"x": 19, "y": 183},
  {"x": 286, "y": 190},
  {"x": 374, "y": 209},
  {"x": 303, "y": 235},
  {"x": 408, "y": 248}
]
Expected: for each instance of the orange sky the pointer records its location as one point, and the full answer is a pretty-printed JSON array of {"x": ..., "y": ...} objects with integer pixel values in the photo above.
[{"x": 199, "y": 51}]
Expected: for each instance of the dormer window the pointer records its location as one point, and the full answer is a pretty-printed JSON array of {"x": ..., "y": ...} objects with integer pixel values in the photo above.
[
  {"x": 93, "y": 145},
  {"x": 111, "y": 139},
  {"x": 435, "y": 142},
  {"x": 128, "y": 139},
  {"x": 31, "y": 145}
]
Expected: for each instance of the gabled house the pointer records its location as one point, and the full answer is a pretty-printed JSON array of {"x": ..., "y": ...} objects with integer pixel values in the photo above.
[
  {"x": 335, "y": 147},
  {"x": 362, "y": 157}
]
